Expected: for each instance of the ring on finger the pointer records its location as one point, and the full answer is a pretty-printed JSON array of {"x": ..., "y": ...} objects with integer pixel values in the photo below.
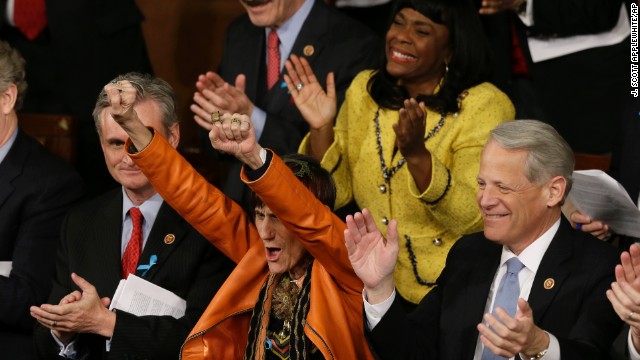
[
  {"x": 54, "y": 323},
  {"x": 235, "y": 120},
  {"x": 630, "y": 315},
  {"x": 215, "y": 116},
  {"x": 248, "y": 123},
  {"x": 299, "y": 86}
]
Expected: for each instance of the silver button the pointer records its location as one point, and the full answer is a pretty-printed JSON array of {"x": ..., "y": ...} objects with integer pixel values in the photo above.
[
  {"x": 385, "y": 220},
  {"x": 437, "y": 241},
  {"x": 382, "y": 188}
]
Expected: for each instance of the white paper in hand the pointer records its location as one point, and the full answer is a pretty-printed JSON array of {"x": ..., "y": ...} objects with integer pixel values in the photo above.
[
  {"x": 141, "y": 297},
  {"x": 603, "y": 198}
]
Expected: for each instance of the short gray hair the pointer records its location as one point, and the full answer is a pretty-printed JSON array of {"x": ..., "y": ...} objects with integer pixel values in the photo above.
[
  {"x": 12, "y": 72},
  {"x": 549, "y": 154},
  {"x": 148, "y": 88}
]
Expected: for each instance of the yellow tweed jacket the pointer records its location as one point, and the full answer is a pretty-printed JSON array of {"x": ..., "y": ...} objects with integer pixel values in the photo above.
[{"x": 428, "y": 223}]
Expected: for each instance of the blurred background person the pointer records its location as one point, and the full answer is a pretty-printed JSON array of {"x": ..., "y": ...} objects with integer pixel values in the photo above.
[
  {"x": 373, "y": 13},
  {"x": 564, "y": 63},
  {"x": 36, "y": 189},
  {"x": 249, "y": 79},
  {"x": 407, "y": 140},
  {"x": 106, "y": 238},
  {"x": 66, "y": 45}
]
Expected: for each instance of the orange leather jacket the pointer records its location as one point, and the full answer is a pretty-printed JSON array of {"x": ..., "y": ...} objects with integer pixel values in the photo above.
[{"x": 334, "y": 321}]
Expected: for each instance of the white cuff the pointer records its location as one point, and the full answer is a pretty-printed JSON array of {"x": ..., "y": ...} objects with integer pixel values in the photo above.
[
  {"x": 374, "y": 313},
  {"x": 633, "y": 353},
  {"x": 68, "y": 351}
]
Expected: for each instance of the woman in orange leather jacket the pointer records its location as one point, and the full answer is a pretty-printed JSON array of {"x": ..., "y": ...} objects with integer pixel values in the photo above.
[{"x": 296, "y": 239}]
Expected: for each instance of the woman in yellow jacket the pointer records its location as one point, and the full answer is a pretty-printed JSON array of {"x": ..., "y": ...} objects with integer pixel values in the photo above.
[
  {"x": 407, "y": 140},
  {"x": 293, "y": 293}
]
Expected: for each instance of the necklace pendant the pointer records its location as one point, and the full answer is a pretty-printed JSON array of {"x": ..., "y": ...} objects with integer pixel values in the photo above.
[
  {"x": 385, "y": 175},
  {"x": 382, "y": 188}
]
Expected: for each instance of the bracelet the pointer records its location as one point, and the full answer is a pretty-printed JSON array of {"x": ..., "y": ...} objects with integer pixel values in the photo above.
[{"x": 537, "y": 356}]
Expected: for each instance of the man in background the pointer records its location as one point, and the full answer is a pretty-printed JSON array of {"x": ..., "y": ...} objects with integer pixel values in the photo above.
[
  {"x": 250, "y": 77},
  {"x": 36, "y": 189}
]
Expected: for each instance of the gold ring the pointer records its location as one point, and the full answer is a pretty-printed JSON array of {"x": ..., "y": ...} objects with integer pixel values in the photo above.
[
  {"x": 630, "y": 315},
  {"x": 235, "y": 120},
  {"x": 215, "y": 117}
]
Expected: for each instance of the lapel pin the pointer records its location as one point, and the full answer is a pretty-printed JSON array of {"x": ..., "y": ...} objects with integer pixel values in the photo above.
[
  {"x": 169, "y": 239},
  {"x": 308, "y": 50},
  {"x": 549, "y": 283}
]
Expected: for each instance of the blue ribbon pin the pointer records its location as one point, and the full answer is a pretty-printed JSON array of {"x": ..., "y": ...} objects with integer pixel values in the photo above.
[{"x": 152, "y": 261}]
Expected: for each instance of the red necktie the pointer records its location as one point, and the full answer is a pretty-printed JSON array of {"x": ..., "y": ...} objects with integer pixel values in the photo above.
[
  {"x": 273, "y": 58},
  {"x": 132, "y": 252},
  {"x": 519, "y": 66},
  {"x": 30, "y": 17}
]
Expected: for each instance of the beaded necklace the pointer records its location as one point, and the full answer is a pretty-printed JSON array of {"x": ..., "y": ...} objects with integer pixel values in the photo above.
[{"x": 386, "y": 172}]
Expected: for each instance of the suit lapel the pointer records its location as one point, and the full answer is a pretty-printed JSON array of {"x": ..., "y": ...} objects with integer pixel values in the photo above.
[
  {"x": 166, "y": 234},
  {"x": 255, "y": 54},
  {"x": 107, "y": 232},
  {"x": 552, "y": 267},
  {"x": 12, "y": 166}
]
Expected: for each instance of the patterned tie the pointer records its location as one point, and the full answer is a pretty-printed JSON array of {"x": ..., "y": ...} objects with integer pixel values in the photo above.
[
  {"x": 506, "y": 297},
  {"x": 273, "y": 58},
  {"x": 132, "y": 252},
  {"x": 30, "y": 17}
]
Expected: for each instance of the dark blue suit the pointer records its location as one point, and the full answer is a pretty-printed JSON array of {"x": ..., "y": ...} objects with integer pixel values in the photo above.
[{"x": 575, "y": 310}]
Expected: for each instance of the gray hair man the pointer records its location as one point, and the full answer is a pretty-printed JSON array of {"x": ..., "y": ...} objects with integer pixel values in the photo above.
[{"x": 528, "y": 286}]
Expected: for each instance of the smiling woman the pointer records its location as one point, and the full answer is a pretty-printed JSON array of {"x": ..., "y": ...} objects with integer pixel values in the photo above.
[{"x": 407, "y": 140}]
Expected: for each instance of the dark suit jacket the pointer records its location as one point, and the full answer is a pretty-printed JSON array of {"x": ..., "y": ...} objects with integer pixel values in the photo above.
[
  {"x": 579, "y": 94},
  {"x": 70, "y": 62},
  {"x": 189, "y": 267},
  {"x": 575, "y": 310},
  {"x": 339, "y": 43},
  {"x": 36, "y": 189}
]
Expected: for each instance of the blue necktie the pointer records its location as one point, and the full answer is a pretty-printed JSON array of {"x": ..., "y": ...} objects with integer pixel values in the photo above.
[{"x": 506, "y": 297}]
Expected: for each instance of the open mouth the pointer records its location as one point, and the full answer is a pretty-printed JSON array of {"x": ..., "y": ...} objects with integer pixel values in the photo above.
[
  {"x": 253, "y": 3},
  {"x": 402, "y": 57},
  {"x": 272, "y": 253}
]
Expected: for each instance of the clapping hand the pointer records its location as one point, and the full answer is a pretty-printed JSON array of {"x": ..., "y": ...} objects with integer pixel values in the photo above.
[
  {"x": 78, "y": 312},
  {"x": 410, "y": 128},
  {"x": 216, "y": 95},
  {"x": 316, "y": 106}
]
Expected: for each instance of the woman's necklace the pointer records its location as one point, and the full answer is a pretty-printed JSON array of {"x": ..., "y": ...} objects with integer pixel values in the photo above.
[
  {"x": 386, "y": 172},
  {"x": 284, "y": 300}
]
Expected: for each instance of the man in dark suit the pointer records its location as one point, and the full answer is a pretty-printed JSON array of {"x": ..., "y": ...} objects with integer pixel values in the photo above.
[
  {"x": 328, "y": 39},
  {"x": 97, "y": 237},
  {"x": 553, "y": 305},
  {"x": 67, "y": 65},
  {"x": 36, "y": 189}
]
